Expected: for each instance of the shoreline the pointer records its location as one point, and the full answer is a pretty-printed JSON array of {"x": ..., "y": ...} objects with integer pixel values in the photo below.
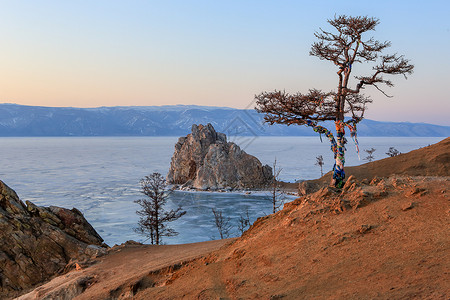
[{"x": 257, "y": 192}]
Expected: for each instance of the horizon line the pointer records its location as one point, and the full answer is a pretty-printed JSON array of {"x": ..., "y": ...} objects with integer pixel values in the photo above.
[{"x": 185, "y": 105}]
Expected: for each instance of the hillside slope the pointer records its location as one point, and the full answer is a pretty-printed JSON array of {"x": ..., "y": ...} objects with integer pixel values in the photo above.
[
  {"x": 433, "y": 160},
  {"x": 393, "y": 244},
  {"x": 386, "y": 238}
]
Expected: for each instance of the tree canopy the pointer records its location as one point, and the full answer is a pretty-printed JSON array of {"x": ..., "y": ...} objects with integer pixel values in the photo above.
[{"x": 345, "y": 46}]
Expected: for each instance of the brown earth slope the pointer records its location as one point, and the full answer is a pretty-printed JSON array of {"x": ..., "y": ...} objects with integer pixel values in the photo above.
[
  {"x": 126, "y": 269},
  {"x": 383, "y": 239},
  {"x": 433, "y": 160}
]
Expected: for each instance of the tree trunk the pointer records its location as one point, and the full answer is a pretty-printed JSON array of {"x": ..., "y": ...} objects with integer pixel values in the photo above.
[
  {"x": 157, "y": 224},
  {"x": 338, "y": 169}
]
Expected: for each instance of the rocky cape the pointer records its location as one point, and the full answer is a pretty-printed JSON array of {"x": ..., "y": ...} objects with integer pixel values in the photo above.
[
  {"x": 38, "y": 243},
  {"x": 204, "y": 160}
]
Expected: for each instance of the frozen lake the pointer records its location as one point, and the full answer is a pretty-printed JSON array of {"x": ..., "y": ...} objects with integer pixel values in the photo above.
[{"x": 100, "y": 176}]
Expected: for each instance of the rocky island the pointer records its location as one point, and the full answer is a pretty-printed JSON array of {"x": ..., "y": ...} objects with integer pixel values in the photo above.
[{"x": 204, "y": 160}]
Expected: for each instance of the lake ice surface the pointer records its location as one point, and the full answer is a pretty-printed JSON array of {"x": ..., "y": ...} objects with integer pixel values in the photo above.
[{"x": 100, "y": 176}]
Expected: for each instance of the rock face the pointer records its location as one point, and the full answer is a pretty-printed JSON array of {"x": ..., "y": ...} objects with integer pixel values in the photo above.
[
  {"x": 38, "y": 242},
  {"x": 205, "y": 160}
]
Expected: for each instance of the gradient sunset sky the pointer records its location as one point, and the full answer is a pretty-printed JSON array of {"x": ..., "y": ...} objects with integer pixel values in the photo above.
[{"x": 219, "y": 53}]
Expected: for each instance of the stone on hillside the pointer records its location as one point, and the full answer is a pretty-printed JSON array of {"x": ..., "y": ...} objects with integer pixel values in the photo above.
[
  {"x": 205, "y": 160},
  {"x": 38, "y": 242}
]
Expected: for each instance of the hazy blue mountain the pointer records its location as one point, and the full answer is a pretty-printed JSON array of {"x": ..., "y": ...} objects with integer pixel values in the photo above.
[{"x": 172, "y": 120}]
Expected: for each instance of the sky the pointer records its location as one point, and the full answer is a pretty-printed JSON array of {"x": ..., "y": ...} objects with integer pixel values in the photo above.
[{"x": 91, "y": 53}]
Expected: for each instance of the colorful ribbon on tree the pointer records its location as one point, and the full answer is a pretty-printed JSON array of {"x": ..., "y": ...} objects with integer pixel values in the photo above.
[
  {"x": 339, "y": 174},
  {"x": 322, "y": 130},
  {"x": 353, "y": 134},
  {"x": 338, "y": 145}
]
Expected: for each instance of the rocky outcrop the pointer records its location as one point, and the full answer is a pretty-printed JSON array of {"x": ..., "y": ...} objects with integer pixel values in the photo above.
[
  {"x": 205, "y": 160},
  {"x": 38, "y": 242}
]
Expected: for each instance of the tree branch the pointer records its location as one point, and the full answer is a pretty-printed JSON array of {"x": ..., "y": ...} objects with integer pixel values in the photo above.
[{"x": 284, "y": 108}]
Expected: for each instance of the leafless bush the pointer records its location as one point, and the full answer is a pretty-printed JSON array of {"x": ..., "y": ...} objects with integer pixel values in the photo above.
[
  {"x": 222, "y": 223},
  {"x": 370, "y": 157},
  {"x": 276, "y": 191},
  {"x": 243, "y": 222},
  {"x": 320, "y": 163},
  {"x": 393, "y": 152}
]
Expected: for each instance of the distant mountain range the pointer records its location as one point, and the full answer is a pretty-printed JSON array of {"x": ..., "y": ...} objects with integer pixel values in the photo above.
[{"x": 173, "y": 120}]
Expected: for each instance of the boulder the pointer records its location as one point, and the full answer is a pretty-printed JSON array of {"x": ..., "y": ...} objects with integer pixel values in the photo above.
[
  {"x": 38, "y": 242},
  {"x": 205, "y": 160}
]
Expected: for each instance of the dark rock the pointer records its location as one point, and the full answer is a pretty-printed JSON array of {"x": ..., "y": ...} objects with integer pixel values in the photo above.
[
  {"x": 38, "y": 242},
  {"x": 309, "y": 187},
  {"x": 415, "y": 191},
  {"x": 407, "y": 206},
  {"x": 350, "y": 184},
  {"x": 364, "y": 228},
  {"x": 205, "y": 160}
]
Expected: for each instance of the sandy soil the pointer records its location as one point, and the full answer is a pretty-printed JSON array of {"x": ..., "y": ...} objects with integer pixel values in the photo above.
[
  {"x": 394, "y": 246},
  {"x": 118, "y": 273},
  {"x": 382, "y": 238}
]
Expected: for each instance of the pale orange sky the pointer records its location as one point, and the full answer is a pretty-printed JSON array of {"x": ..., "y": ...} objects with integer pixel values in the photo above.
[{"x": 108, "y": 53}]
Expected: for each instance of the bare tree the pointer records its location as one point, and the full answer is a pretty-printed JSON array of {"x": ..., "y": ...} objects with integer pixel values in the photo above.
[
  {"x": 222, "y": 223},
  {"x": 243, "y": 222},
  {"x": 276, "y": 191},
  {"x": 153, "y": 216},
  {"x": 345, "y": 47},
  {"x": 393, "y": 152},
  {"x": 320, "y": 163},
  {"x": 370, "y": 157}
]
